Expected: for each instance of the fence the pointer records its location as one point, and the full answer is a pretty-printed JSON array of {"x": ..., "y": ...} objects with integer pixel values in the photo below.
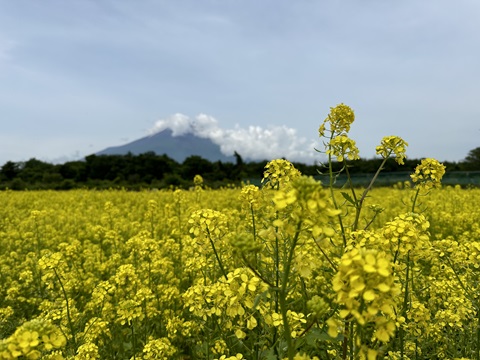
[{"x": 463, "y": 178}]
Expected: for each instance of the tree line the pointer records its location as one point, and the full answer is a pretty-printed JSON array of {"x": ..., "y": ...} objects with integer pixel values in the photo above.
[{"x": 150, "y": 170}]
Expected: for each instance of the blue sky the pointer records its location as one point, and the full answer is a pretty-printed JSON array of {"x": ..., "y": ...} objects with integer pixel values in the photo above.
[{"x": 259, "y": 77}]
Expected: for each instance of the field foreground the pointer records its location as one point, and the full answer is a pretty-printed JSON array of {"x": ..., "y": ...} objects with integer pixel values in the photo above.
[{"x": 239, "y": 274}]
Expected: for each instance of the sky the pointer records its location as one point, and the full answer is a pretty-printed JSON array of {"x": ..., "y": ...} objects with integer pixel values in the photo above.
[{"x": 255, "y": 76}]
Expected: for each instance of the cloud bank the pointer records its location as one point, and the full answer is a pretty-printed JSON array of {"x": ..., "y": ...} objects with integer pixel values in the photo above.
[{"x": 252, "y": 143}]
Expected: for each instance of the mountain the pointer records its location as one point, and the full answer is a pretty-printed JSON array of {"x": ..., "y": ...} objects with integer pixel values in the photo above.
[{"x": 176, "y": 147}]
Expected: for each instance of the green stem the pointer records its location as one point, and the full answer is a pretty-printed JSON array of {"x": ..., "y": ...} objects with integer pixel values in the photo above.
[
  {"x": 334, "y": 267},
  {"x": 134, "y": 341},
  {"x": 38, "y": 242},
  {"x": 258, "y": 274},
  {"x": 468, "y": 291},
  {"x": 277, "y": 265},
  {"x": 371, "y": 221},
  {"x": 277, "y": 282},
  {"x": 349, "y": 180},
  {"x": 332, "y": 194},
  {"x": 254, "y": 229},
  {"x": 345, "y": 341},
  {"x": 365, "y": 192},
  {"x": 478, "y": 337},
  {"x": 253, "y": 223},
  {"x": 152, "y": 226},
  {"x": 283, "y": 294},
  {"x": 69, "y": 318},
  {"x": 404, "y": 309},
  {"x": 415, "y": 200},
  {"x": 216, "y": 255}
]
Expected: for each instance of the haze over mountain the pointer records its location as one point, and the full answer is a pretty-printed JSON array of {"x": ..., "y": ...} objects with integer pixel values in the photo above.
[{"x": 180, "y": 136}]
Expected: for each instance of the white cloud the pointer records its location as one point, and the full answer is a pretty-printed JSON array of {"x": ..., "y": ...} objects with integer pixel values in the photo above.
[
  {"x": 253, "y": 142},
  {"x": 179, "y": 124}
]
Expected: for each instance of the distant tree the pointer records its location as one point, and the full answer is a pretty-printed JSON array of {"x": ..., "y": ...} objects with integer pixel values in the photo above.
[
  {"x": 238, "y": 159},
  {"x": 194, "y": 165},
  {"x": 10, "y": 170},
  {"x": 151, "y": 166},
  {"x": 472, "y": 161},
  {"x": 238, "y": 171},
  {"x": 255, "y": 169},
  {"x": 74, "y": 170},
  {"x": 103, "y": 167},
  {"x": 18, "y": 184},
  {"x": 34, "y": 170}
]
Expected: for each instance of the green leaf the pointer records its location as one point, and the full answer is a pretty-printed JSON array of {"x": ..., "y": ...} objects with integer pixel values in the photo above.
[
  {"x": 347, "y": 197},
  {"x": 269, "y": 355},
  {"x": 315, "y": 335}
]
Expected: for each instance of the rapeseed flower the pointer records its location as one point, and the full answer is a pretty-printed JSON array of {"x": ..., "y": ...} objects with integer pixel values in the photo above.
[
  {"x": 31, "y": 340},
  {"x": 405, "y": 233},
  {"x": 343, "y": 148},
  {"x": 339, "y": 120},
  {"x": 428, "y": 174},
  {"x": 87, "y": 351},
  {"x": 198, "y": 180},
  {"x": 366, "y": 290},
  {"x": 207, "y": 223},
  {"x": 311, "y": 205},
  {"x": 158, "y": 349},
  {"x": 279, "y": 173},
  {"x": 250, "y": 195},
  {"x": 395, "y": 145},
  {"x": 236, "y": 357}
]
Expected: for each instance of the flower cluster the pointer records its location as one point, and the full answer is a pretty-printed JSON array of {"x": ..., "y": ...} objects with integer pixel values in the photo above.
[
  {"x": 295, "y": 320},
  {"x": 428, "y": 174},
  {"x": 198, "y": 180},
  {"x": 406, "y": 232},
  {"x": 343, "y": 148},
  {"x": 87, "y": 351},
  {"x": 366, "y": 289},
  {"x": 278, "y": 173},
  {"x": 245, "y": 243},
  {"x": 395, "y": 145},
  {"x": 50, "y": 261},
  {"x": 318, "y": 306},
  {"x": 158, "y": 349},
  {"x": 229, "y": 299},
  {"x": 208, "y": 223},
  {"x": 236, "y": 357},
  {"x": 311, "y": 205},
  {"x": 340, "y": 118},
  {"x": 31, "y": 340},
  {"x": 250, "y": 195}
]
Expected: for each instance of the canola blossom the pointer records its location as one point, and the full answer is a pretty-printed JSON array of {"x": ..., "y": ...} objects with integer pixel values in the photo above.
[
  {"x": 338, "y": 121},
  {"x": 293, "y": 269},
  {"x": 343, "y": 148},
  {"x": 428, "y": 174},
  {"x": 393, "y": 145}
]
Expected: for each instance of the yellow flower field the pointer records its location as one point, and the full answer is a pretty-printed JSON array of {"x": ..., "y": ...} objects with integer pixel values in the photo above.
[
  {"x": 117, "y": 274},
  {"x": 295, "y": 269}
]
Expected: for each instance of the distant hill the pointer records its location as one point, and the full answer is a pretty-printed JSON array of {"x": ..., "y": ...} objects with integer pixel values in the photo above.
[{"x": 176, "y": 147}]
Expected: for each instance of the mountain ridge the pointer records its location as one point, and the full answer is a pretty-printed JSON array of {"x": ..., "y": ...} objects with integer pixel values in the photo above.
[{"x": 177, "y": 147}]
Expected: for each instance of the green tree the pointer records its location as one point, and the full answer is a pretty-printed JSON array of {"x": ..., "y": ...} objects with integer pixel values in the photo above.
[
  {"x": 33, "y": 171},
  {"x": 472, "y": 161},
  {"x": 194, "y": 165},
  {"x": 9, "y": 170}
]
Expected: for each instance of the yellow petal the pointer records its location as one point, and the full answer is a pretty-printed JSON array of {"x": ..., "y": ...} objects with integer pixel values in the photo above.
[{"x": 369, "y": 295}]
